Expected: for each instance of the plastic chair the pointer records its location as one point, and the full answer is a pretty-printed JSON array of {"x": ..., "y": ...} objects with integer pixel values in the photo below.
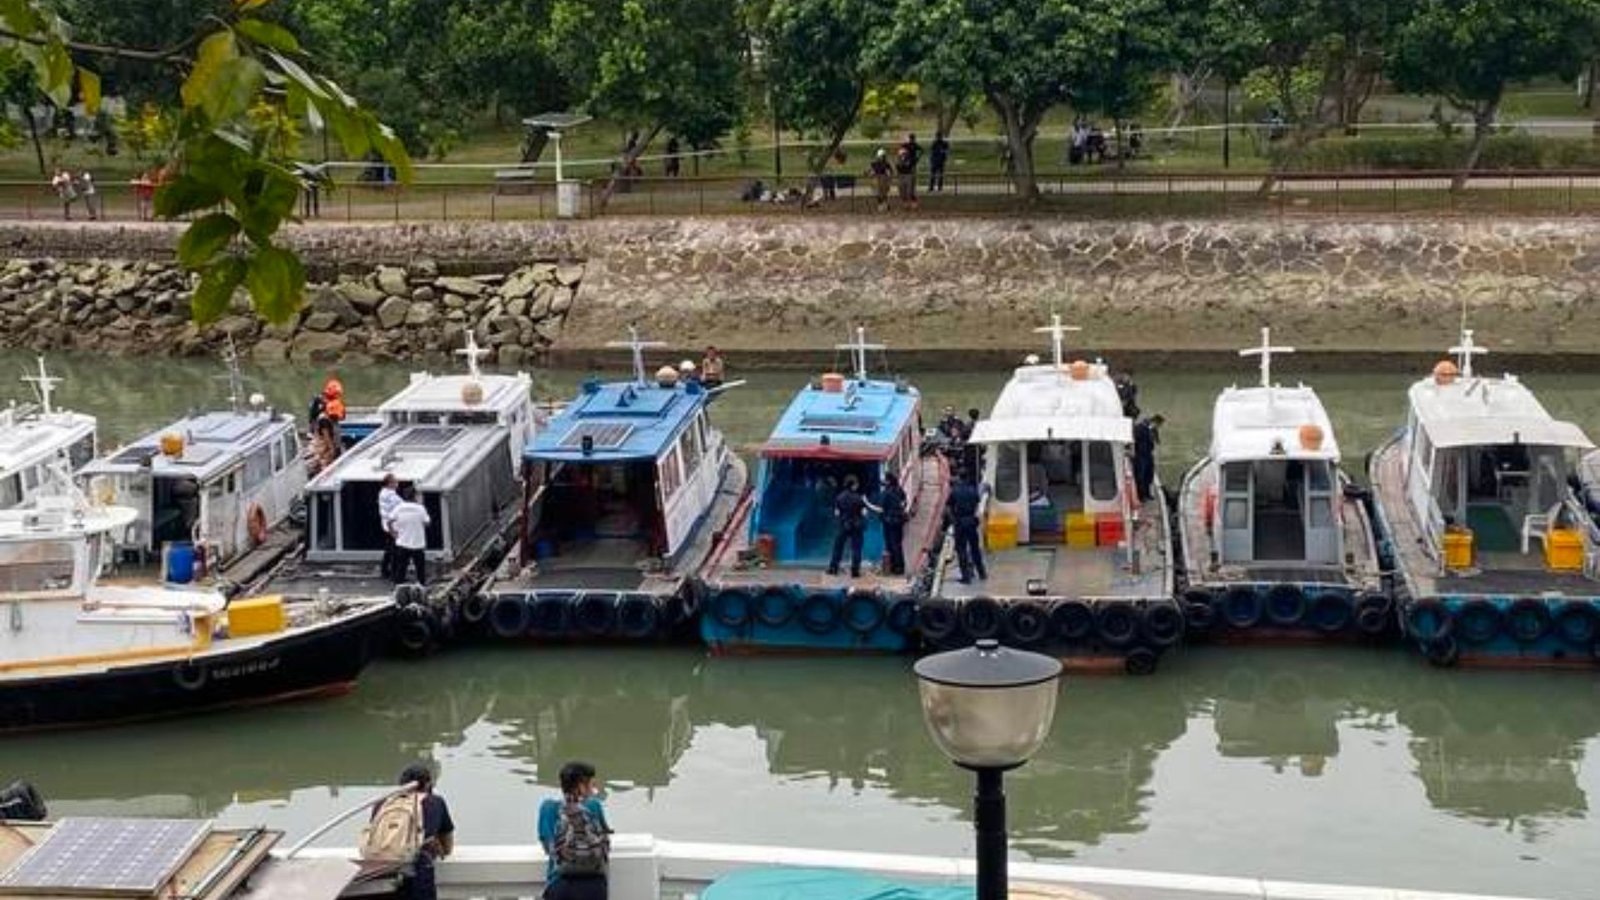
[{"x": 1537, "y": 525}]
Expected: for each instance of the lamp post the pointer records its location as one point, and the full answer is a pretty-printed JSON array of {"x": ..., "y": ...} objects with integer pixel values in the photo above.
[{"x": 988, "y": 708}]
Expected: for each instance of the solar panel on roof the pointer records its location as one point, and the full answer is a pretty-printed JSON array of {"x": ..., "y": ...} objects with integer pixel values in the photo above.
[
  {"x": 426, "y": 438},
  {"x": 119, "y": 857},
  {"x": 606, "y": 435},
  {"x": 135, "y": 456},
  {"x": 838, "y": 422}
]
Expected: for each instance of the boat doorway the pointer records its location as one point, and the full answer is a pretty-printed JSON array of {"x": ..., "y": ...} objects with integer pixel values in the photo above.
[
  {"x": 1279, "y": 510},
  {"x": 797, "y": 508},
  {"x": 174, "y": 511},
  {"x": 600, "y": 516}
]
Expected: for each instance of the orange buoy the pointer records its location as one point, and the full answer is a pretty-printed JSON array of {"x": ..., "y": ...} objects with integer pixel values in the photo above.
[
  {"x": 256, "y": 519},
  {"x": 833, "y": 382},
  {"x": 1445, "y": 372},
  {"x": 1311, "y": 436},
  {"x": 1079, "y": 370},
  {"x": 172, "y": 444}
]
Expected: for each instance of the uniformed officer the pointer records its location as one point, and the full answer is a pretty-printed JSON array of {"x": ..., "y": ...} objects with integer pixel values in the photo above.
[
  {"x": 891, "y": 510},
  {"x": 1146, "y": 437},
  {"x": 962, "y": 511},
  {"x": 850, "y": 508}
]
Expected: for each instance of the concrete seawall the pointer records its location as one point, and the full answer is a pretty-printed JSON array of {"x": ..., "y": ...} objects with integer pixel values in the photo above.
[{"x": 761, "y": 284}]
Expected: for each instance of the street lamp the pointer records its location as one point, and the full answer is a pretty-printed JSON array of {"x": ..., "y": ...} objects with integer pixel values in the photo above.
[{"x": 989, "y": 708}]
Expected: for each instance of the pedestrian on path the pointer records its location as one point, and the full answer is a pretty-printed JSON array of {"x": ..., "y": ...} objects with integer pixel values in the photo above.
[
  {"x": 62, "y": 184},
  {"x": 907, "y": 158},
  {"x": 880, "y": 170},
  {"x": 938, "y": 157}
]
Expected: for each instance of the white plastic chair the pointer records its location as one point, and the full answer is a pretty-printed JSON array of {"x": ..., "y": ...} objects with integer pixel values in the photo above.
[{"x": 1537, "y": 525}]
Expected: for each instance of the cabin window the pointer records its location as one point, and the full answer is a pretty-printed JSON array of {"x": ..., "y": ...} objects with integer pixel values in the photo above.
[
  {"x": 1319, "y": 513},
  {"x": 1317, "y": 477},
  {"x": 257, "y": 467},
  {"x": 1424, "y": 454},
  {"x": 36, "y": 566},
  {"x": 669, "y": 474},
  {"x": 705, "y": 432},
  {"x": 30, "y": 477},
  {"x": 1008, "y": 473},
  {"x": 1236, "y": 513},
  {"x": 1102, "y": 472},
  {"x": 11, "y": 491},
  {"x": 323, "y": 534},
  {"x": 277, "y": 457},
  {"x": 1236, "y": 478},
  {"x": 81, "y": 453},
  {"x": 690, "y": 442}
]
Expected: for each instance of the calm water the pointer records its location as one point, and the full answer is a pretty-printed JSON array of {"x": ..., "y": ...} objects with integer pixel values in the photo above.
[{"x": 1319, "y": 764}]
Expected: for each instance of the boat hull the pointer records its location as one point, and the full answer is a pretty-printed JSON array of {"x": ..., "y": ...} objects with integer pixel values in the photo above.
[{"x": 323, "y": 660}]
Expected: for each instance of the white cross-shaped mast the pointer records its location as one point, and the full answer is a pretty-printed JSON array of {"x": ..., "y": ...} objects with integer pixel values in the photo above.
[
  {"x": 230, "y": 355},
  {"x": 1465, "y": 351},
  {"x": 473, "y": 353},
  {"x": 1265, "y": 351},
  {"x": 638, "y": 347},
  {"x": 45, "y": 384},
  {"x": 1058, "y": 333},
  {"x": 858, "y": 352}
]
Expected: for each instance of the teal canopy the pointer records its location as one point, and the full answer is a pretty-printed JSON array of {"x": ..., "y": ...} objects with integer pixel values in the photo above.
[{"x": 825, "y": 884}]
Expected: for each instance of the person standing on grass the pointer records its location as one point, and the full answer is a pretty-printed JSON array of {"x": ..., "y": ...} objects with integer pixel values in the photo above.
[
  {"x": 907, "y": 158},
  {"x": 880, "y": 170},
  {"x": 576, "y": 838},
  {"x": 62, "y": 184},
  {"x": 91, "y": 200},
  {"x": 938, "y": 157},
  {"x": 673, "y": 166}
]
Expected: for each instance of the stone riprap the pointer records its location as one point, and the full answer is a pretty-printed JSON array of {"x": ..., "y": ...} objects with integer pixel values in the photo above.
[{"x": 762, "y": 284}]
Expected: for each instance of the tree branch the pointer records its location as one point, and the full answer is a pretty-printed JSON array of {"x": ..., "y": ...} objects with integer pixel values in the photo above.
[{"x": 173, "y": 54}]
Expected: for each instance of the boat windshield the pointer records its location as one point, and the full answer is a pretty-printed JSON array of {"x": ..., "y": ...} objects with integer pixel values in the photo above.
[{"x": 37, "y": 567}]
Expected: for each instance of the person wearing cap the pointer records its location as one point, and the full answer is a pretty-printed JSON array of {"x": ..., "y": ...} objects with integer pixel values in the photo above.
[
  {"x": 712, "y": 369},
  {"x": 687, "y": 372},
  {"x": 881, "y": 171}
]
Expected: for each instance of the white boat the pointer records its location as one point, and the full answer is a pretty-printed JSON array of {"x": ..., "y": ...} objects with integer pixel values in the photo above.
[
  {"x": 1273, "y": 534},
  {"x": 1077, "y": 564},
  {"x": 1495, "y": 553},
  {"x": 33, "y": 437}
]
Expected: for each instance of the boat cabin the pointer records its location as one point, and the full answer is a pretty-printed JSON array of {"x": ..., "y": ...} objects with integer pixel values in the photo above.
[
  {"x": 454, "y": 438},
  {"x": 1484, "y": 460},
  {"x": 219, "y": 479},
  {"x": 35, "y": 437}
]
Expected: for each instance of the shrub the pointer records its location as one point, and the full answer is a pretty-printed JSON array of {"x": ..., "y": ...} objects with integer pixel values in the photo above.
[{"x": 1434, "y": 152}]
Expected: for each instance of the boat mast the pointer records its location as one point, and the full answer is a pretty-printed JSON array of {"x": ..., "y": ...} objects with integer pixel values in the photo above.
[
  {"x": 45, "y": 384},
  {"x": 473, "y": 354},
  {"x": 638, "y": 347},
  {"x": 858, "y": 352},
  {"x": 1465, "y": 351},
  {"x": 1265, "y": 351},
  {"x": 1058, "y": 333},
  {"x": 230, "y": 356}
]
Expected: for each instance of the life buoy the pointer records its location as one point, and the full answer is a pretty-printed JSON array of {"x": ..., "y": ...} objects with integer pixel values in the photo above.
[
  {"x": 1027, "y": 623},
  {"x": 549, "y": 613},
  {"x": 1443, "y": 652},
  {"x": 1286, "y": 605},
  {"x": 1330, "y": 612},
  {"x": 937, "y": 621},
  {"x": 1141, "y": 661},
  {"x": 1429, "y": 620},
  {"x": 508, "y": 616},
  {"x": 1072, "y": 620},
  {"x": 981, "y": 618},
  {"x": 902, "y": 616},
  {"x": 189, "y": 675},
  {"x": 775, "y": 607},
  {"x": 1242, "y": 607},
  {"x": 595, "y": 613},
  {"x": 819, "y": 613},
  {"x": 256, "y": 519},
  {"x": 1374, "y": 614},
  {"x": 1116, "y": 623},
  {"x": 474, "y": 608},
  {"x": 1576, "y": 623},
  {"x": 1162, "y": 624},
  {"x": 638, "y": 616},
  {"x": 1478, "y": 622},
  {"x": 1528, "y": 619},
  {"x": 862, "y": 612},
  {"x": 731, "y": 607}
]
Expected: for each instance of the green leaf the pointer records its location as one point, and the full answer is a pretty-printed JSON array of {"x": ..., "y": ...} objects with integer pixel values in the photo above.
[
  {"x": 205, "y": 238},
  {"x": 233, "y": 90},
  {"x": 215, "y": 292},
  {"x": 268, "y": 34},
  {"x": 247, "y": 5},
  {"x": 270, "y": 196},
  {"x": 214, "y": 51},
  {"x": 89, "y": 90},
  {"x": 348, "y": 127},
  {"x": 56, "y": 79},
  {"x": 298, "y": 75},
  {"x": 277, "y": 283},
  {"x": 393, "y": 151},
  {"x": 184, "y": 195},
  {"x": 21, "y": 17}
]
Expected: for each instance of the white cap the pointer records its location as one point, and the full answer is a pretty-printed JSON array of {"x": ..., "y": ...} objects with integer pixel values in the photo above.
[
  {"x": 686, "y": 366},
  {"x": 1032, "y": 359}
]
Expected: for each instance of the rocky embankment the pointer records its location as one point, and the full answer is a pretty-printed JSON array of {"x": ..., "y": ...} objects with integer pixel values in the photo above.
[{"x": 393, "y": 312}]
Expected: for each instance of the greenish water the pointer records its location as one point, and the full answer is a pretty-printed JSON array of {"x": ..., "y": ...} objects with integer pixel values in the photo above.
[{"x": 1335, "y": 764}]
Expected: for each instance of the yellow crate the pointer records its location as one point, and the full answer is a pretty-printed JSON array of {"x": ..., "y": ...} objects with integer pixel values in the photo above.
[
  {"x": 1000, "y": 532},
  {"x": 1563, "y": 550},
  {"x": 1458, "y": 548},
  {"x": 1078, "y": 521},
  {"x": 257, "y": 615}
]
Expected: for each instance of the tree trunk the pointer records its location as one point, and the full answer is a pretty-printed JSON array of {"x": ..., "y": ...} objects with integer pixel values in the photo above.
[
  {"x": 1482, "y": 127},
  {"x": 949, "y": 112},
  {"x": 1187, "y": 87},
  {"x": 33, "y": 131},
  {"x": 841, "y": 128},
  {"x": 1588, "y": 84},
  {"x": 628, "y": 160},
  {"x": 1019, "y": 140}
]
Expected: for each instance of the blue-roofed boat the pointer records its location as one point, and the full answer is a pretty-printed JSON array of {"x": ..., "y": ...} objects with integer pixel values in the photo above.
[
  {"x": 768, "y": 586},
  {"x": 1496, "y": 558},
  {"x": 625, "y": 494}
]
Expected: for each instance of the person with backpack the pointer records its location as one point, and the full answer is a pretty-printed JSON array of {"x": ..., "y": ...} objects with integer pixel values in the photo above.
[
  {"x": 412, "y": 828},
  {"x": 576, "y": 838}
]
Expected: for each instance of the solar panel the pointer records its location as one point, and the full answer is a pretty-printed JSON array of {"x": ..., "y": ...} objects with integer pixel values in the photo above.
[
  {"x": 606, "y": 435},
  {"x": 838, "y": 422},
  {"x": 426, "y": 438},
  {"x": 117, "y": 857},
  {"x": 135, "y": 456},
  {"x": 197, "y": 456}
]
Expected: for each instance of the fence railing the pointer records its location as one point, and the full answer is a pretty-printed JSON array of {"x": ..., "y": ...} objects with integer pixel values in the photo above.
[{"x": 1067, "y": 194}]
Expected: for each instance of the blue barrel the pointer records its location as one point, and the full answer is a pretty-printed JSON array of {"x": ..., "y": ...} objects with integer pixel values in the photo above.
[
  {"x": 544, "y": 549},
  {"x": 180, "y": 562}
]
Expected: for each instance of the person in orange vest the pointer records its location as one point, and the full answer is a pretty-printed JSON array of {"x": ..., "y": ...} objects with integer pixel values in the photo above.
[{"x": 333, "y": 398}]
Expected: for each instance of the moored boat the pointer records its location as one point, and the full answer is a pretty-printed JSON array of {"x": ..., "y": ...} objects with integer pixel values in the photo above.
[
  {"x": 767, "y": 585},
  {"x": 33, "y": 437},
  {"x": 1077, "y": 565},
  {"x": 1276, "y": 541},
  {"x": 625, "y": 492},
  {"x": 1494, "y": 553}
]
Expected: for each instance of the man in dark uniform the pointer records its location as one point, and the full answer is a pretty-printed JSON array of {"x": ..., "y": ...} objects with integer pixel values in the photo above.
[
  {"x": 891, "y": 510},
  {"x": 951, "y": 426},
  {"x": 962, "y": 512},
  {"x": 850, "y": 508},
  {"x": 1146, "y": 437}
]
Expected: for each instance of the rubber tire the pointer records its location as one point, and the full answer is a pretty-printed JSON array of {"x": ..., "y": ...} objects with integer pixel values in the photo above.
[
  {"x": 982, "y": 618},
  {"x": 1479, "y": 622},
  {"x": 819, "y": 613},
  {"x": 474, "y": 609},
  {"x": 902, "y": 616},
  {"x": 1286, "y": 606},
  {"x": 1443, "y": 622},
  {"x": 1330, "y": 612},
  {"x": 732, "y": 607},
  {"x": 1027, "y": 623},
  {"x": 413, "y": 634},
  {"x": 192, "y": 677},
  {"x": 595, "y": 615},
  {"x": 1071, "y": 621},
  {"x": 410, "y": 594},
  {"x": 1242, "y": 607},
  {"x": 1374, "y": 614},
  {"x": 509, "y": 616},
  {"x": 937, "y": 621},
  {"x": 775, "y": 607},
  {"x": 550, "y": 615},
  {"x": 1116, "y": 623},
  {"x": 1198, "y": 595},
  {"x": 862, "y": 611},
  {"x": 1443, "y": 652},
  {"x": 1141, "y": 661},
  {"x": 23, "y": 797},
  {"x": 1528, "y": 620},
  {"x": 1579, "y": 615},
  {"x": 1162, "y": 624},
  {"x": 638, "y": 617}
]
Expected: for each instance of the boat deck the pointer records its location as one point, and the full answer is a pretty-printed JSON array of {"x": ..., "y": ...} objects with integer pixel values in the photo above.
[
  {"x": 728, "y": 567},
  {"x": 1500, "y": 574},
  {"x": 1080, "y": 573},
  {"x": 1361, "y": 570}
]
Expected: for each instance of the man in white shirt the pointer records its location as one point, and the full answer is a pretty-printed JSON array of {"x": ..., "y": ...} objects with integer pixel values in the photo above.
[
  {"x": 388, "y": 499},
  {"x": 409, "y": 524}
]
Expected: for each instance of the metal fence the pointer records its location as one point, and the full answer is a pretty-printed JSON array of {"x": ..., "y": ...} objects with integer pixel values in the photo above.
[{"x": 1075, "y": 195}]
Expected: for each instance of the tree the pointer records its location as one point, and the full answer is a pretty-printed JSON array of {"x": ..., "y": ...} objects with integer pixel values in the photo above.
[
  {"x": 1121, "y": 49},
  {"x": 1467, "y": 51},
  {"x": 819, "y": 65}
]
